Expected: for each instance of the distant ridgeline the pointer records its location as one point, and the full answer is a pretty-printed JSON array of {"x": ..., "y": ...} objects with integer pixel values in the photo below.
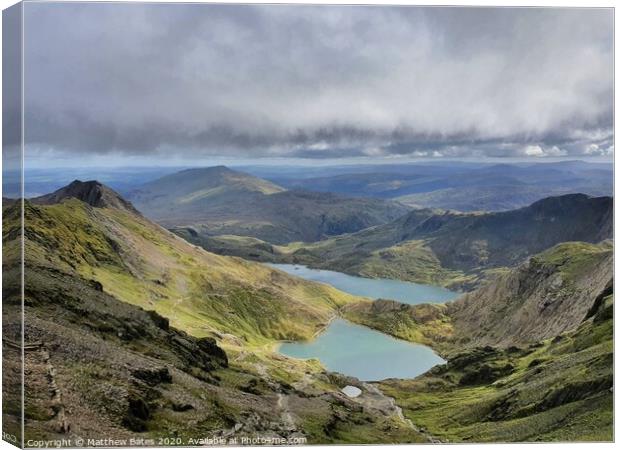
[
  {"x": 221, "y": 201},
  {"x": 459, "y": 187}
]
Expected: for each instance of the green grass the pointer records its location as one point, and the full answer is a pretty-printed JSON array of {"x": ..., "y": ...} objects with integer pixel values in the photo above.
[
  {"x": 69, "y": 232},
  {"x": 425, "y": 324},
  {"x": 558, "y": 390},
  {"x": 140, "y": 263},
  {"x": 571, "y": 258},
  {"x": 411, "y": 261}
]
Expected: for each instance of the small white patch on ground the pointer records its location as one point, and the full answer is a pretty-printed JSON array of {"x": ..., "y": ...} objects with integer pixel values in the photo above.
[{"x": 351, "y": 391}]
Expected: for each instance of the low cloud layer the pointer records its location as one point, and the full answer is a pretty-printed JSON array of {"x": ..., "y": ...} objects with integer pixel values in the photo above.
[{"x": 317, "y": 82}]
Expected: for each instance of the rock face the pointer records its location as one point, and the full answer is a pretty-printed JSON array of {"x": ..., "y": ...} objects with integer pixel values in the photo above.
[
  {"x": 92, "y": 192},
  {"x": 469, "y": 242},
  {"x": 546, "y": 296}
]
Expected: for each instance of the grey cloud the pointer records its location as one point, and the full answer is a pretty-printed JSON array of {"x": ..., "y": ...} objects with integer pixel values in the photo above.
[{"x": 317, "y": 81}]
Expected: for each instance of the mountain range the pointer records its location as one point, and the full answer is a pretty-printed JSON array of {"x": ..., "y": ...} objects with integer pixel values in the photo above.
[
  {"x": 462, "y": 187},
  {"x": 441, "y": 247},
  {"x": 192, "y": 335},
  {"x": 221, "y": 201}
]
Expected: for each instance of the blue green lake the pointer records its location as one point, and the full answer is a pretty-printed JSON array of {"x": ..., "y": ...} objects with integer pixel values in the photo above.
[
  {"x": 401, "y": 291},
  {"x": 359, "y": 351},
  {"x": 364, "y": 353}
]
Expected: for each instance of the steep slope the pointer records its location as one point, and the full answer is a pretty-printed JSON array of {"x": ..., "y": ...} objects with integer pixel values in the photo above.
[
  {"x": 549, "y": 294},
  {"x": 122, "y": 319},
  {"x": 546, "y": 296},
  {"x": 558, "y": 389},
  {"x": 455, "y": 248},
  {"x": 139, "y": 262},
  {"x": 220, "y": 201},
  {"x": 96, "y": 365},
  {"x": 530, "y": 355}
]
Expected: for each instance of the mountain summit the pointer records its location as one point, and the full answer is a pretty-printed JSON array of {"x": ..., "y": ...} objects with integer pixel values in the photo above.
[
  {"x": 221, "y": 201},
  {"x": 201, "y": 183},
  {"x": 92, "y": 192}
]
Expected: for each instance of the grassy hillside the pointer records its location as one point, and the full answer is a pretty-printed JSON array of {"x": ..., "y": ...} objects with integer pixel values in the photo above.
[
  {"x": 220, "y": 201},
  {"x": 125, "y": 316},
  {"x": 559, "y": 389},
  {"x": 426, "y": 324},
  {"x": 141, "y": 263}
]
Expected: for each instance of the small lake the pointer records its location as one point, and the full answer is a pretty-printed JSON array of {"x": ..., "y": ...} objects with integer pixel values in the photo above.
[
  {"x": 402, "y": 291},
  {"x": 364, "y": 353}
]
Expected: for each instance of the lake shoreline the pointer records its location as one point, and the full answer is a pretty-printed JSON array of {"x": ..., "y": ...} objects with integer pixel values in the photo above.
[
  {"x": 372, "y": 288},
  {"x": 356, "y": 349},
  {"x": 362, "y": 352}
]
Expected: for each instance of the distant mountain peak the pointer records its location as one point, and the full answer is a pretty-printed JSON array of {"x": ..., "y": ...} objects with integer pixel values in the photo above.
[
  {"x": 221, "y": 169},
  {"x": 196, "y": 183},
  {"x": 93, "y": 192}
]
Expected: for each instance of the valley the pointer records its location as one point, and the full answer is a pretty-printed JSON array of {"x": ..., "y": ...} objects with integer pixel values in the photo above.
[
  {"x": 103, "y": 279},
  {"x": 446, "y": 248}
]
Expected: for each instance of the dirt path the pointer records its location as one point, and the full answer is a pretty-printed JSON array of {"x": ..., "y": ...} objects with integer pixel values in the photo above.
[
  {"x": 56, "y": 396},
  {"x": 290, "y": 424},
  {"x": 42, "y": 379},
  {"x": 376, "y": 398},
  {"x": 286, "y": 415}
]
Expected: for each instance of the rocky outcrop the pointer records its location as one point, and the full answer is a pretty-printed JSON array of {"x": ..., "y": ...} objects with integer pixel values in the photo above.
[
  {"x": 546, "y": 296},
  {"x": 97, "y": 313},
  {"x": 92, "y": 192}
]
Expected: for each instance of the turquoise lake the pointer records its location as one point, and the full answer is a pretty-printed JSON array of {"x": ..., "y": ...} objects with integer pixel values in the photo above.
[
  {"x": 364, "y": 353},
  {"x": 359, "y": 351},
  {"x": 402, "y": 291}
]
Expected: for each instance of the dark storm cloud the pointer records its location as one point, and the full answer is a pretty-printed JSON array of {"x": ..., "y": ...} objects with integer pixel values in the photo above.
[{"x": 312, "y": 81}]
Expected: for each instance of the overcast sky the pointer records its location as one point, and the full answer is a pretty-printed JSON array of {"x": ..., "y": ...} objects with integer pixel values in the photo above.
[{"x": 153, "y": 80}]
